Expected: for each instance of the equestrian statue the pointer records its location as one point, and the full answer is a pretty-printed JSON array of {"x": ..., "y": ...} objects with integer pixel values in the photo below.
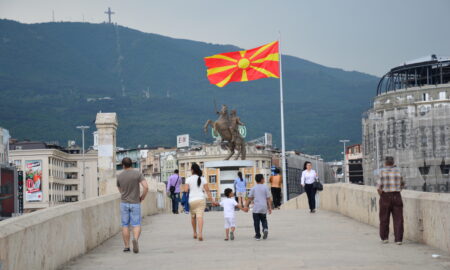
[{"x": 227, "y": 126}]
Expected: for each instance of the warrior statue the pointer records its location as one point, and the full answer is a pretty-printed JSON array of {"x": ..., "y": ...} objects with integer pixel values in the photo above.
[{"x": 227, "y": 126}]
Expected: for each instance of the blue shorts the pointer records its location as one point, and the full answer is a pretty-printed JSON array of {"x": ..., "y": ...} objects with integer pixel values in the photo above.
[{"x": 131, "y": 214}]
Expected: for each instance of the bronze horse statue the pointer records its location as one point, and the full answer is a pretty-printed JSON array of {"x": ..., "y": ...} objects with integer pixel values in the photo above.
[{"x": 227, "y": 128}]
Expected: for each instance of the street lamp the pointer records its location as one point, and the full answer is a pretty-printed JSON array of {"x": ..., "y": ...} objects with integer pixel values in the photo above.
[
  {"x": 83, "y": 128},
  {"x": 344, "y": 169}
]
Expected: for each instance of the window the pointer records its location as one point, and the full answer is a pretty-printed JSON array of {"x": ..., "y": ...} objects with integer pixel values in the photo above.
[
  {"x": 202, "y": 165},
  {"x": 442, "y": 95},
  {"x": 214, "y": 193},
  {"x": 248, "y": 178},
  {"x": 425, "y": 96},
  {"x": 212, "y": 179},
  {"x": 257, "y": 164},
  {"x": 263, "y": 164},
  {"x": 70, "y": 164},
  {"x": 248, "y": 191}
]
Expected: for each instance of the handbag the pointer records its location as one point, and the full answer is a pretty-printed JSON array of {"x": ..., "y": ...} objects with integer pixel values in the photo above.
[
  {"x": 172, "y": 188},
  {"x": 317, "y": 185}
]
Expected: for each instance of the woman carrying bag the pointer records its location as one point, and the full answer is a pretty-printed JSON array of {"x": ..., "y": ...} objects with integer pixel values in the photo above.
[{"x": 309, "y": 177}]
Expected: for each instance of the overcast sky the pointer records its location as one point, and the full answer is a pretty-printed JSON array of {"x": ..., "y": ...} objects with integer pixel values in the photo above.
[{"x": 367, "y": 36}]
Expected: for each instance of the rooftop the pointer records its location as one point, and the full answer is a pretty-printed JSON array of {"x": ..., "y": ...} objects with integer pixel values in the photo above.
[{"x": 429, "y": 70}]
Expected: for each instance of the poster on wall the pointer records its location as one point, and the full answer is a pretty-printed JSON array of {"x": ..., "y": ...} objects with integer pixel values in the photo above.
[{"x": 33, "y": 174}]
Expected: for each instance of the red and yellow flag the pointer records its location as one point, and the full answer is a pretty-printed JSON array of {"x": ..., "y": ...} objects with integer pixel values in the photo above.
[{"x": 241, "y": 66}]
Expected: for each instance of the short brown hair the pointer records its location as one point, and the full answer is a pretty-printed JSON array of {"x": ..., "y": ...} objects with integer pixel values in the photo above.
[
  {"x": 127, "y": 162},
  {"x": 389, "y": 161}
]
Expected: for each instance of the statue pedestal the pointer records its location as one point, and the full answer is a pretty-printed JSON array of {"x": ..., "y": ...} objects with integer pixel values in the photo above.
[{"x": 228, "y": 171}]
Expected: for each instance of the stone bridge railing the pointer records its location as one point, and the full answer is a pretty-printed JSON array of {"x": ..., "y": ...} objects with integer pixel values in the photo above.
[
  {"x": 426, "y": 215},
  {"x": 49, "y": 238}
]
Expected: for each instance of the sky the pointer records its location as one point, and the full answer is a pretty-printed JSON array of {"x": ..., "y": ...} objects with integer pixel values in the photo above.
[{"x": 361, "y": 35}]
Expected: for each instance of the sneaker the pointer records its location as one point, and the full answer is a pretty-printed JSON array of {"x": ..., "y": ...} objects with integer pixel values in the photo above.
[
  {"x": 385, "y": 241},
  {"x": 313, "y": 211},
  {"x": 257, "y": 239},
  {"x": 266, "y": 233},
  {"x": 135, "y": 246},
  {"x": 231, "y": 235},
  {"x": 399, "y": 243},
  {"x": 126, "y": 250}
]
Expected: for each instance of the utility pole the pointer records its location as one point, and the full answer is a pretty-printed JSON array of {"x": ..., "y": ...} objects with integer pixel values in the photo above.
[
  {"x": 83, "y": 128},
  {"x": 344, "y": 169},
  {"x": 109, "y": 12}
]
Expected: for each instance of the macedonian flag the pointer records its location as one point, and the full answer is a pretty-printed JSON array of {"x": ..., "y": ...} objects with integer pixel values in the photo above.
[{"x": 241, "y": 66}]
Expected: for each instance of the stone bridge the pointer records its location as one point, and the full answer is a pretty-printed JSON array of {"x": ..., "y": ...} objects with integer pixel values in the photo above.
[{"x": 341, "y": 235}]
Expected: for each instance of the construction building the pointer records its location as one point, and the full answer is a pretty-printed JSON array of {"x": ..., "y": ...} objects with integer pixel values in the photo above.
[{"x": 410, "y": 120}]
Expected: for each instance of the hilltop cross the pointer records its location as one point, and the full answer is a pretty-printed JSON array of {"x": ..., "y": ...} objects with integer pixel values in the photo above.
[{"x": 109, "y": 12}]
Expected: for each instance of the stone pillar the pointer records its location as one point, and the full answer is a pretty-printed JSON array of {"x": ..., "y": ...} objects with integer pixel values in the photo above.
[{"x": 106, "y": 127}]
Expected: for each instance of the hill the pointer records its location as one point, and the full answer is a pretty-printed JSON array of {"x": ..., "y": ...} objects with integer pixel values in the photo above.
[{"x": 55, "y": 76}]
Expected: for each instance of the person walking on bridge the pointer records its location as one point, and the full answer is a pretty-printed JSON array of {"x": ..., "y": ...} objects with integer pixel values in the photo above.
[
  {"x": 275, "y": 187},
  {"x": 240, "y": 185},
  {"x": 173, "y": 189},
  {"x": 128, "y": 183},
  {"x": 389, "y": 186},
  {"x": 197, "y": 187},
  {"x": 309, "y": 176}
]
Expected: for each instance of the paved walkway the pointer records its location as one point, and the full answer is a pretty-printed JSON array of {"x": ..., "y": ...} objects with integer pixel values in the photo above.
[{"x": 297, "y": 240}]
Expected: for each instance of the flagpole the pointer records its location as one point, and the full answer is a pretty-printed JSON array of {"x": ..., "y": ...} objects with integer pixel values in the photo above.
[{"x": 283, "y": 148}]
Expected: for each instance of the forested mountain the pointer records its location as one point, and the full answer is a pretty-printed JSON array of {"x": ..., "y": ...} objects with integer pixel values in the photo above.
[{"x": 55, "y": 76}]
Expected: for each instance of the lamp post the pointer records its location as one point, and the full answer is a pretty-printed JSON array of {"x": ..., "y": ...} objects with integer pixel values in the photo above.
[
  {"x": 83, "y": 128},
  {"x": 344, "y": 169}
]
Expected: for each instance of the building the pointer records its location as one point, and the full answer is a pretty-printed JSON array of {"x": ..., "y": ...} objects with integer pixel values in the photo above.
[
  {"x": 353, "y": 161},
  {"x": 169, "y": 163},
  {"x": 410, "y": 120},
  {"x": 53, "y": 175},
  {"x": 261, "y": 156},
  {"x": 4, "y": 145},
  {"x": 338, "y": 173},
  {"x": 134, "y": 154},
  {"x": 158, "y": 163},
  {"x": 8, "y": 180}
]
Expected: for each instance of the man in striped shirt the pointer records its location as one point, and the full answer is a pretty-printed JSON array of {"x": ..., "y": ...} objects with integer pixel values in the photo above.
[{"x": 389, "y": 186}]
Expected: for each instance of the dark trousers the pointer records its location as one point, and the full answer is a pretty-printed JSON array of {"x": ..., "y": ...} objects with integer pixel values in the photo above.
[
  {"x": 311, "y": 193},
  {"x": 391, "y": 202},
  {"x": 175, "y": 201},
  {"x": 276, "y": 195},
  {"x": 259, "y": 218}
]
